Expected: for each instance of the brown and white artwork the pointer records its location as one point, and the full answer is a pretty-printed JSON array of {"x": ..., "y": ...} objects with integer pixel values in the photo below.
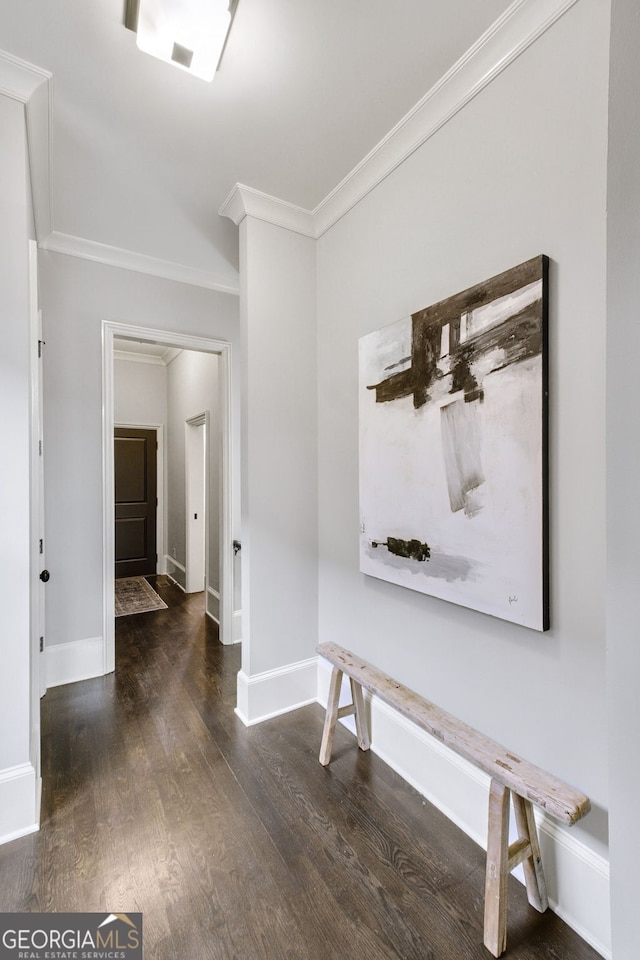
[{"x": 453, "y": 448}]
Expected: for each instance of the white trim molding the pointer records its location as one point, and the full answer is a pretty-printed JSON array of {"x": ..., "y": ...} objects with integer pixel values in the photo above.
[
  {"x": 244, "y": 202},
  {"x": 508, "y": 37},
  {"x": 194, "y": 584},
  {"x": 175, "y": 563},
  {"x": 167, "y": 356},
  {"x": 274, "y": 692},
  {"x": 70, "y": 662},
  {"x": 179, "y": 574},
  {"x": 577, "y": 877},
  {"x": 237, "y": 626},
  {"x": 108, "y": 255},
  {"x": 139, "y": 358},
  {"x": 19, "y": 792},
  {"x": 213, "y": 611},
  {"x": 33, "y": 87},
  {"x": 212, "y": 606}
]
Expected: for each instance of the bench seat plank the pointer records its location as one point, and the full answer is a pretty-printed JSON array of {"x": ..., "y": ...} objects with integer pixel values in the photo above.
[{"x": 555, "y": 797}]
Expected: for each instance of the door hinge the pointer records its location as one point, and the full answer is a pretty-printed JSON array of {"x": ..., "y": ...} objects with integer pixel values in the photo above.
[
  {"x": 41, "y": 344},
  {"x": 39, "y": 448},
  {"x": 41, "y": 644},
  {"x": 42, "y": 546}
]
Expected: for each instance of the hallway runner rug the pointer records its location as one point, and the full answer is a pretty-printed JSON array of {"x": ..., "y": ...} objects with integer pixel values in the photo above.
[{"x": 136, "y": 595}]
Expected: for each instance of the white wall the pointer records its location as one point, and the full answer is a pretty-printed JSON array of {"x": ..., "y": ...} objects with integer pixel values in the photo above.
[
  {"x": 77, "y": 295},
  {"x": 17, "y": 775},
  {"x": 193, "y": 387},
  {"x": 623, "y": 469},
  {"x": 519, "y": 171},
  {"x": 140, "y": 392}
]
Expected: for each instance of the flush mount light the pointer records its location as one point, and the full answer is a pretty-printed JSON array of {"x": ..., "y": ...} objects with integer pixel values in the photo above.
[{"x": 190, "y": 34}]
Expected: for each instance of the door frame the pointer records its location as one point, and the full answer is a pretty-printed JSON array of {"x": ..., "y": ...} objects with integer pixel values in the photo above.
[
  {"x": 110, "y": 330},
  {"x": 37, "y": 545},
  {"x": 201, "y": 420}
]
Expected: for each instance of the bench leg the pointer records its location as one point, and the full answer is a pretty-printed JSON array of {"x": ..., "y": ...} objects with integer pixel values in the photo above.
[
  {"x": 361, "y": 719},
  {"x": 334, "y": 711},
  {"x": 331, "y": 717},
  {"x": 532, "y": 866},
  {"x": 503, "y": 857},
  {"x": 495, "y": 891}
]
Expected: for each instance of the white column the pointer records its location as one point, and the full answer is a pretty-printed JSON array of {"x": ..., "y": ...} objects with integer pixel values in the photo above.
[
  {"x": 279, "y": 468},
  {"x": 623, "y": 474}
]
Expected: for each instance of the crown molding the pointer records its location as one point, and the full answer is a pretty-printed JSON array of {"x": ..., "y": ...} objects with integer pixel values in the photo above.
[
  {"x": 162, "y": 360},
  {"x": 138, "y": 358},
  {"x": 509, "y": 36},
  {"x": 33, "y": 87},
  {"x": 84, "y": 249},
  {"x": 244, "y": 202},
  {"x": 170, "y": 355},
  {"x": 505, "y": 40}
]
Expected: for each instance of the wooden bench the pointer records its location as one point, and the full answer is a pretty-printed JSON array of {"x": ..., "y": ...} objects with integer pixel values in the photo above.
[{"x": 512, "y": 778}]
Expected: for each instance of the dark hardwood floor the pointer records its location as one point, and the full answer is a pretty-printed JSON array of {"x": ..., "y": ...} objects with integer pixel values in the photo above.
[{"x": 234, "y": 842}]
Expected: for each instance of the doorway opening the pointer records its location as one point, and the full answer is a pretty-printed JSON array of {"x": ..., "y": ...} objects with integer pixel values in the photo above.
[{"x": 174, "y": 547}]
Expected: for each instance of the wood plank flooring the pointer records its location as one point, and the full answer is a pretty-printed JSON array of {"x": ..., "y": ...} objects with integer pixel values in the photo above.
[{"x": 235, "y": 843}]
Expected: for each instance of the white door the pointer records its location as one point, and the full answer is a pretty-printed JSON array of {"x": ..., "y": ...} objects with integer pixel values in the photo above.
[{"x": 196, "y": 503}]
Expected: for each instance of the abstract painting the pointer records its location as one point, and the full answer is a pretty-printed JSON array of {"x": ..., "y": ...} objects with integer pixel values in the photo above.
[{"x": 453, "y": 448}]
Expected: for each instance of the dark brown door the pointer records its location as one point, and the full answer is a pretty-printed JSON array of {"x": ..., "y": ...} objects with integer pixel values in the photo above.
[{"x": 135, "y": 506}]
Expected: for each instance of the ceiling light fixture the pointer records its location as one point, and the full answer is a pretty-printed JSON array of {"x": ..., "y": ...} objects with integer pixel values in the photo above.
[{"x": 190, "y": 34}]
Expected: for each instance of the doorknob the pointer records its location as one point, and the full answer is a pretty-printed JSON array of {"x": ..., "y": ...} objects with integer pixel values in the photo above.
[{"x": 44, "y": 576}]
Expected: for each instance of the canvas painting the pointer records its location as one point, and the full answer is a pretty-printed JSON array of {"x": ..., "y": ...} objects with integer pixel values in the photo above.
[{"x": 453, "y": 448}]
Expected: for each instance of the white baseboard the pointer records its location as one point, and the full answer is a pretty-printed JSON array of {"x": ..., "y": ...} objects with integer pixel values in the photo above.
[
  {"x": 176, "y": 583},
  {"x": 274, "y": 692},
  {"x": 19, "y": 798},
  {"x": 78, "y": 660},
  {"x": 212, "y": 606},
  {"x": 578, "y": 883},
  {"x": 175, "y": 571},
  {"x": 34, "y": 756},
  {"x": 577, "y": 877},
  {"x": 212, "y": 610}
]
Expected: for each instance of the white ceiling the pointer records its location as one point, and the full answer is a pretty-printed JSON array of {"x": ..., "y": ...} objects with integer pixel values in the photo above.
[{"x": 144, "y": 154}]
